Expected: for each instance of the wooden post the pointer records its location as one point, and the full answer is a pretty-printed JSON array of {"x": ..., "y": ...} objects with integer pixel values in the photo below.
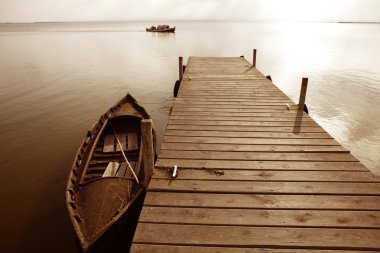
[
  {"x": 180, "y": 62},
  {"x": 147, "y": 149},
  {"x": 301, "y": 103},
  {"x": 254, "y": 58}
]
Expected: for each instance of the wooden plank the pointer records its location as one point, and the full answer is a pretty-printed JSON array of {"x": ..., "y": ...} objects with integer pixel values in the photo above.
[
  {"x": 294, "y": 124},
  {"x": 143, "y": 248},
  {"x": 242, "y": 118},
  {"x": 109, "y": 141},
  {"x": 257, "y": 236},
  {"x": 123, "y": 141},
  {"x": 254, "y": 217},
  {"x": 242, "y": 141},
  {"x": 263, "y": 101},
  {"x": 223, "y": 90},
  {"x": 122, "y": 170},
  {"x": 255, "y": 156},
  {"x": 111, "y": 169},
  {"x": 285, "y": 114},
  {"x": 261, "y": 165},
  {"x": 191, "y": 102},
  {"x": 128, "y": 172},
  {"x": 263, "y": 201},
  {"x": 252, "y": 175},
  {"x": 253, "y": 148},
  {"x": 259, "y": 187},
  {"x": 132, "y": 141},
  {"x": 255, "y": 97},
  {"x": 303, "y": 129},
  {"x": 208, "y": 109},
  {"x": 251, "y": 94},
  {"x": 247, "y": 134}
]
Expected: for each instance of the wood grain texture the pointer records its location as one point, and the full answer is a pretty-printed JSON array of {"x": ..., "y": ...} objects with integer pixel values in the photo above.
[
  {"x": 263, "y": 165},
  {"x": 256, "y": 156},
  {"x": 263, "y": 201},
  {"x": 273, "y": 129},
  {"x": 258, "y": 187},
  {"x": 242, "y": 141},
  {"x": 254, "y": 174},
  {"x": 143, "y": 248},
  {"x": 257, "y": 236},
  {"x": 254, "y": 217},
  {"x": 253, "y": 148}
]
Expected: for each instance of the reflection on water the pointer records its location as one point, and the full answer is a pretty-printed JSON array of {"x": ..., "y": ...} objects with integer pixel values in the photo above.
[{"x": 56, "y": 79}]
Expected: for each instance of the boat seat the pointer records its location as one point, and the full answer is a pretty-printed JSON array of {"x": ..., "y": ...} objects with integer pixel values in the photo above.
[
  {"x": 109, "y": 143},
  {"x": 132, "y": 141},
  {"x": 123, "y": 141},
  {"x": 122, "y": 170},
  {"x": 111, "y": 170},
  {"x": 128, "y": 172}
]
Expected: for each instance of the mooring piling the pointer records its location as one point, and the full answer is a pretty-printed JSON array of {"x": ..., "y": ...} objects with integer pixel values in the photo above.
[{"x": 302, "y": 98}]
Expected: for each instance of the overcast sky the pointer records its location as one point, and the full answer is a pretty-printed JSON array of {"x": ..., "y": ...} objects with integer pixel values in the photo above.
[{"x": 256, "y": 10}]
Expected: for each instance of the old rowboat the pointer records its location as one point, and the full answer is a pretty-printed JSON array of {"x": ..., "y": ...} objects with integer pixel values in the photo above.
[{"x": 109, "y": 175}]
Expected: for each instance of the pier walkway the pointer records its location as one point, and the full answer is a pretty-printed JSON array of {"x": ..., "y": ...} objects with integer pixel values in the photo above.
[{"x": 253, "y": 174}]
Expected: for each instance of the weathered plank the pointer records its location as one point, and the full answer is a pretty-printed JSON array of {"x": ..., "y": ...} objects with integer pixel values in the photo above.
[
  {"x": 254, "y": 217},
  {"x": 123, "y": 141},
  {"x": 143, "y": 248},
  {"x": 247, "y": 134},
  {"x": 122, "y": 170},
  {"x": 296, "y": 124},
  {"x": 235, "y": 113},
  {"x": 262, "y": 165},
  {"x": 253, "y": 148},
  {"x": 132, "y": 141},
  {"x": 303, "y": 129},
  {"x": 111, "y": 169},
  {"x": 257, "y": 236},
  {"x": 259, "y": 187},
  {"x": 228, "y": 110},
  {"x": 256, "y": 156},
  {"x": 243, "y": 118},
  {"x": 242, "y": 141},
  {"x": 263, "y": 201},
  {"x": 252, "y": 175},
  {"x": 109, "y": 141}
]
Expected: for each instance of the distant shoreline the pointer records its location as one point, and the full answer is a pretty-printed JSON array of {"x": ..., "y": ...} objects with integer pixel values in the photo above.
[
  {"x": 142, "y": 21},
  {"x": 358, "y": 22}
]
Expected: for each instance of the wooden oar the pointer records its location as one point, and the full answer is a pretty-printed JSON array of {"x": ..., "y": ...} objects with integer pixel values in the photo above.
[{"x": 125, "y": 157}]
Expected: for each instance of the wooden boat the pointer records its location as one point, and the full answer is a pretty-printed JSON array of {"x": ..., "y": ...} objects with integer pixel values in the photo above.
[
  {"x": 161, "y": 28},
  {"x": 111, "y": 169}
]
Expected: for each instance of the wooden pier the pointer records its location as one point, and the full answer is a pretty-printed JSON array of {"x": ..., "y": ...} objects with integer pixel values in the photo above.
[{"x": 255, "y": 173}]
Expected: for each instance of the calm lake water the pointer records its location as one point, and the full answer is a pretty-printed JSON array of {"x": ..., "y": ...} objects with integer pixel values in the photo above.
[{"x": 57, "y": 79}]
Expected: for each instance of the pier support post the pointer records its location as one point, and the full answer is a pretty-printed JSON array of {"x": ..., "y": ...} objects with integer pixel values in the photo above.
[
  {"x": 254, "y": 58},
  {"x": 147, "y": 149},
  {"x": 301, "y": 103},
  {"x": 180, "y": 68}
]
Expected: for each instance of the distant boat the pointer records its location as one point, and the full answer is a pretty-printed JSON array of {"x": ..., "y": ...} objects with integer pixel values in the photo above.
[
  {"x": 106, "y": 186},
  {"x": 161, "y": 28}
]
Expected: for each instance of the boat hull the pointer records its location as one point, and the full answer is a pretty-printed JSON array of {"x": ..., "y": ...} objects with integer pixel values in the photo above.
[
  {"x": 168, "y": 30},
  {"x": 102, "y": 205},
  {"x": 119, "y": 236}
]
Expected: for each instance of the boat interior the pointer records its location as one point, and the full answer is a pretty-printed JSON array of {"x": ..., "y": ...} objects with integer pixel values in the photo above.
[
  {"x": 108, "y": 184},
  {"x": 120, "y": 133}
]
